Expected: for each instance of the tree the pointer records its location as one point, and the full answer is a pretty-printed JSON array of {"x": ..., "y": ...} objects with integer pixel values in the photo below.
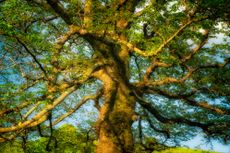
[
  {"x": 67, "y": 139},
  {"x": 154, "y": 63}
]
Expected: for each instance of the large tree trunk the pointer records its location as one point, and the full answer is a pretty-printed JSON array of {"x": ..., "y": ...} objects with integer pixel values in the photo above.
[
  {"x": 115, "y": 120},
  {"x": 117, "y": 112}
]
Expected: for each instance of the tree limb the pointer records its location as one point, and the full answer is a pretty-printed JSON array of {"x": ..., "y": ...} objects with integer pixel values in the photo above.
[
  {"x": 159, "y": 117},
  {"x": 32, "y": 55},
  {"x": 41, "y": 116},
  {"x": 59, "y": 9},
  {"x": 203, "y": 104},
  {"x": 77, "y": 106}
]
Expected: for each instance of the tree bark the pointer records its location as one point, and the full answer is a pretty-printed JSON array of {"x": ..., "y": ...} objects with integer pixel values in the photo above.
[
  {"x": 117, "y": 112},
  {"x": 115, "y": 120}
]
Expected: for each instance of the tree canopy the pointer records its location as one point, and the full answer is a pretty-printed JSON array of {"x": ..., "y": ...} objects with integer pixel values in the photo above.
[{"x": 128, "y": 70}]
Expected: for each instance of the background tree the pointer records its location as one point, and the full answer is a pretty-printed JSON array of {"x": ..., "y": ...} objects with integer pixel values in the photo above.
[
  {"x": 154, "y": 62},
  {"x": 67, "y": 139}
]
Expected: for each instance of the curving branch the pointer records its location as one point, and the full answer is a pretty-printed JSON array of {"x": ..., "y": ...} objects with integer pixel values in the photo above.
[
  {"x": 167, "y": 80},
  {"x": 165, "y": 132},
  {"x": 178, "y": 120},
  {"x": 46, "y": 116},
  {"x": 191, "y": 102},
  {"x": 41, "y": 116},
  {"x": 154, "y": 65},
  {"x": 77, "y": 106},
  {"x": 190, "y": 71},
  {"x": 73, "y": 29}
]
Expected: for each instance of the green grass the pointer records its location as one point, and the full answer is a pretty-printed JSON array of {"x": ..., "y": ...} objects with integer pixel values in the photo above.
[{"x": 183, "y": 150}]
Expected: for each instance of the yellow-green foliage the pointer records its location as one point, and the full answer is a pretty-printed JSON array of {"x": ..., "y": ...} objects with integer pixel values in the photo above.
[
  {"x": 183, "y": 150},
  {"x": 69, "y": 140},
  {"x": 11, "y": 147}
]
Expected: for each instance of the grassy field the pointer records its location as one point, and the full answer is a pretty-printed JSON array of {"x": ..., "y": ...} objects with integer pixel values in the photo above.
[{"x": 183, "y": 150}]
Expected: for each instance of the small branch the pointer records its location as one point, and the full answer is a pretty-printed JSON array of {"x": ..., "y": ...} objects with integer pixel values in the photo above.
[
  {"x": 166, "y": 80},
  {"x": 155, "y": 64},
  {"x": 32, "y": 55},
  {"x": 140, "y": 13},
  {"x": 138, "y": 67},
  {"x": 64, "y": 38},
  {"x": 227, "y": 61},
  {"x": 158, "y": 50},
  {"x": 140, "y": 132},
  {"x": 15, "y": 109},
  {"x": 10, "y": 137},
  {"x": 196, "y": 49},
  {"x": 165, "y": 132},
  {"x": 76, "y": 107},
  {"x": 42, "y": 19},
  {"x": 31, "y": 110},
  {"x": 51, "y": 137}
]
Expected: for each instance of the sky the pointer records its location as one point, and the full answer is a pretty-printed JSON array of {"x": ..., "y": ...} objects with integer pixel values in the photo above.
[{"x": 199, "y": 142}]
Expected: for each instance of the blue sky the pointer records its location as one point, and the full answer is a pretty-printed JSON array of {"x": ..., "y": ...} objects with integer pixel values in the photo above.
[{"x": 199, "y": 142}]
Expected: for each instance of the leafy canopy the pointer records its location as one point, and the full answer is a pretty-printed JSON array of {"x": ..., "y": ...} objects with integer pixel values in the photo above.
[{"x": 62, "y": 58}]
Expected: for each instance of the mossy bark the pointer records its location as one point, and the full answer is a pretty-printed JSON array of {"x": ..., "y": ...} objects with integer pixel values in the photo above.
[
  {"x": 115, "y": 121},
  {"x": 117, "y": 112}
]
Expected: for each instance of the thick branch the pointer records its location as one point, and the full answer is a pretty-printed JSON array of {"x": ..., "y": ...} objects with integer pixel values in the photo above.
[
  {"x": 191, "y": 102},
  {"x": 88, "y": 13},
  {"x": 164, "y": 119},
  {"x": 41, "y": 116},
  {"x": 58, "y": 8}
]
